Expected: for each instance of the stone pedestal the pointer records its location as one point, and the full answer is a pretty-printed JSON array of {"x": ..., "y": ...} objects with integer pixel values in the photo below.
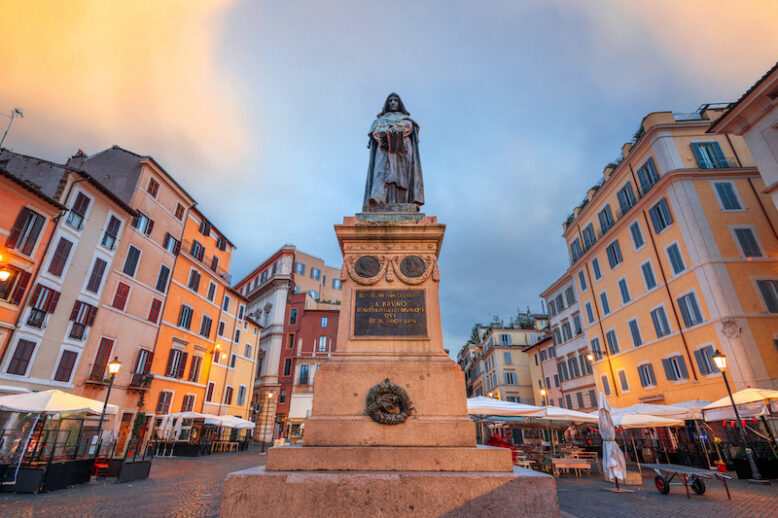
[{"x": 353, "y": 465}]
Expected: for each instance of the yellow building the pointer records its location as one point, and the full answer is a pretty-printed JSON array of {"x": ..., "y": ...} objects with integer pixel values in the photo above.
[{"x": 674, "y": 255}]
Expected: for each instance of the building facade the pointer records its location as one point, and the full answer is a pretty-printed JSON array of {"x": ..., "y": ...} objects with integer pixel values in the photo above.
[
  {"x": 673, "y": 254},
  {"x": 546, "y": 384}
]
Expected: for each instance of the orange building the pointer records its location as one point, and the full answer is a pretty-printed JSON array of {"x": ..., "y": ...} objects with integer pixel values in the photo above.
[{"x": 27, "y": 220}]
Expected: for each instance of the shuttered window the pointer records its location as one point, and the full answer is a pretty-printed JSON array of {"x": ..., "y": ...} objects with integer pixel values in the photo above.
[
  {"x": 659, "y": 318},
  {"x": 646, "y": 374},
  {"x": 156, "y": 306},
  {"x": 60, "y": 257},
  {"x": 626, "y": 198},
  {"x": 82, "y": 316},
  {"x": 614, "y": 254},
  {"x": 624, "y": 290},
  {"x": 185, "y": 317},
  {"x": 131, "y": 261},
  {"x": 748, "y": 244},
  {"x": 228, "y": 395},
  {"x": 194, "y": 280},
  {"x": 727, "y": 196},
  {"x": 709, "y": 155},
  {"x": 690, "y": 311},
  {"x": 613, "y": 342},
  {"x": 121, "y": 295},
  {"x": 21, "y": 358},
  {"x": 111, "y": 233},
  {"x": 676, "y": 260},
  {"x": 65, "y": 367},
  {"x": 164, "y": 402},
  {"x": 769, "y": 291},
  {"x": 162, "y": 278},
  {"x": 96, "y": 277},
  {"x": 660, "y": 216},
  {"x": 194, "y": 369},
  {"x": 637, "y": 235},
  {"x": 101, "y": 359},
  {"x": 675, "y": 368},
  {"x": 705, "y": 363},
  {"x": 78, "y": 212},
  {"x": 176, "y": 364},
  {"x": 648, "y": 175},
  {"x": 24, "y": 234},
  {"x": 634, "y": 330}
]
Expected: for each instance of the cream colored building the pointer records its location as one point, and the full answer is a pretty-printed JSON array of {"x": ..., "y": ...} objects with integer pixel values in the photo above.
[{"x": 505, "y": 364}]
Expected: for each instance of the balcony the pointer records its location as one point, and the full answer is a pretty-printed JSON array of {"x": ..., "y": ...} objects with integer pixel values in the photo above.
[
  {"x": 77, "y": 331},
  {"x": 37, "y": 318},
  {"x": 97, "y": 375},
  {"x": 140, "y": 381},
  {"x": 186, "y": 246}
]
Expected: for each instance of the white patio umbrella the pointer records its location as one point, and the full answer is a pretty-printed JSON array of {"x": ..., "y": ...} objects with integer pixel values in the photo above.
[
  {"x": 613, "y": 463},
  {"x": 672, "y": 412},
  {"x": 750, "y": 402},
  {"x": 694, "y": 408},
  {"x": 555, "y": 413},
  {"x": 643, "y": 421},
  {"x": 494, "y": 407},
  {"x": 236, "y": 422},
  {"x": 53, "y": 402}
]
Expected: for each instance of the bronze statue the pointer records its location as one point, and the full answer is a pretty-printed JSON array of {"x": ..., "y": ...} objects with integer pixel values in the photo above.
[{"x": 394, "y": 179}]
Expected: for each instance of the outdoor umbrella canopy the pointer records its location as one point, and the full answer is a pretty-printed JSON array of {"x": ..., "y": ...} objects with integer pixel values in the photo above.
[
  {"x": 668, "y": 411},
  {"x": 750, "y": 403},
  {"x": 694, "y": 408},
  {"x": 236, "y": 422},
  {"x": 53, "y": 402},
  {"x": 613, "y": 463},
  {"x": 489, "y": 406},
  {"x": 643, "y": 421},
  {"x": 555, "y": 413}
]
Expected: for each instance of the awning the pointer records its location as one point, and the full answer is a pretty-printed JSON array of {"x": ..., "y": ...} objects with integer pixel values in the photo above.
[
  {"x": 643, "y": 421},
  {"x": 494, "y": 407},
  {"x": 750, "y": 403},
  {"x": 684, "y": 411},
  {"x": 555, "y": 413},
  {"x": 53, "y": 402}
]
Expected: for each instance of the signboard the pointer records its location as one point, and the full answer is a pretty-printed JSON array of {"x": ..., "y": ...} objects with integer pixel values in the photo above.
[{"x": 390, "y": 313}]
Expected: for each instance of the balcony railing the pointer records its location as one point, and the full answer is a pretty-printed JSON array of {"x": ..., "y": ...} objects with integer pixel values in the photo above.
[
  {"x": 141, "y": 381},
  {"x": 97, "y": 375},
  {"x": 77, "y": 331},
  {"x": 36, "y": 318},
  {"x": 186, "y": 246}
]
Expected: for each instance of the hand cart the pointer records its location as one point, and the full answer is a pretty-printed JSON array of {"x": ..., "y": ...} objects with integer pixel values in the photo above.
[{"x": 689, "y": 478}]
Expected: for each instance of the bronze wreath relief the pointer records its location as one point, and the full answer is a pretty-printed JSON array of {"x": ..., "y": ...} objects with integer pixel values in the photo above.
[{"x": 388, "y": 403}]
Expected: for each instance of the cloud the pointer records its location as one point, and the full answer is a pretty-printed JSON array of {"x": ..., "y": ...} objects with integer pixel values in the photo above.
[{"x": 141, "y": 74}]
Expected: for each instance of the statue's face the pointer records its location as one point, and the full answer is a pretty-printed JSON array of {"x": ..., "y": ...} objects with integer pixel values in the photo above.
[{"x": 394, "y": 103}]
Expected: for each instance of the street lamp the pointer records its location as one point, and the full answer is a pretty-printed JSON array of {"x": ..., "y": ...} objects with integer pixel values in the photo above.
[
  {"x": 113, "y": 370},
  {"x": 267, "y": 418},
  {"x": 543, "y": 395},
  {"x": 721, "y": 362},
  {"x": 590, "y": 357}
]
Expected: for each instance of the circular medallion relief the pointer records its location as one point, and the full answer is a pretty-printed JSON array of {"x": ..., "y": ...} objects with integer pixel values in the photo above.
[
  {"x": 413, "y": 266},
  {"x": 367, "y": 266},
  {"x": 388, "y": 403}
]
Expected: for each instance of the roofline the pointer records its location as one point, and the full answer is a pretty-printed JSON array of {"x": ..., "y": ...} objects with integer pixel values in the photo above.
[
  {"x": 213, "y": 226},
  {"x": 152, "y": 160},
  {"x": 29, "y": 187},
  {"x": 259, "y": 268},
  {"x": 557, "y": 283},
  {"x": 743, "y": 97}
]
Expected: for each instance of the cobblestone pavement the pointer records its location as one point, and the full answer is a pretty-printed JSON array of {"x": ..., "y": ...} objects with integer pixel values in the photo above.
[
  {"x": 185, "y": 487},
  {"x": 586, "y": 498}
]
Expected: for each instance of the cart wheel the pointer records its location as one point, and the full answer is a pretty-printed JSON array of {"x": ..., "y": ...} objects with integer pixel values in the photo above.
[
  {"x": 661, "y": 484},
  {"x": 698, "y": 486}
]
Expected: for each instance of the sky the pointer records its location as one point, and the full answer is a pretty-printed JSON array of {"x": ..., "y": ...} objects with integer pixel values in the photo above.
[{"x": 261, "y": 110}]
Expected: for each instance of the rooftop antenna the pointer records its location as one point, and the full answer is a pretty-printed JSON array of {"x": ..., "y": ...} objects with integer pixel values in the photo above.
[{"x": 14, "y": 113}]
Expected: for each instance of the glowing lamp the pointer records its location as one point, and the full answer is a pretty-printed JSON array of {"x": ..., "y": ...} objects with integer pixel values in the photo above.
[
  {"x": 543, "y": 392},
  {"x": 114, "y": 366},
  {"x": 269, "y": 394},
  {"x": 590, "y": 357},
  {"x": 4, "y": 274},
  {"x": 720, "y": 360}
]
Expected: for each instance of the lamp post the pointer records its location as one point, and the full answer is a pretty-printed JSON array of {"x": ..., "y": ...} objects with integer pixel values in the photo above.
[
  {"x": 267, "y": 418},
  {"x": 113, "y": 369},
  {"x": 721, "y": 362},
  {"x": 543, "y": 396}
]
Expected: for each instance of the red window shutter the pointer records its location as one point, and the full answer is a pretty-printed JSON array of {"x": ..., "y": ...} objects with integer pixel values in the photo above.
[
  {"x": 149, "y": 360},
  {"x": 149, "y": 227},
  {"x": 21, "y": 287},
  {"x": 156, "y": 305},
  {"x": 113, "y": 226},
  {"x": 81, "y": 205},
  {"x": 120, "y": 298},
  {"x": 90, "y": 319},
  {"x": 103, "y": 354},
  {"x": 76, "y": 308},
  {"x": 16, "y": 231},
  {"x": 52, "y": 302},
  {"x": 169, "y": 366},
  {"x": 182, "y": 366},
  {"x": 65, "y": 368},
  {"x": 134, "y": 222},
  {"x": 60, "y": 257},
  {"x": 177, "y": 248},
  {"x": 21, "y": 357},
  {"x": 35, "y": 295}
]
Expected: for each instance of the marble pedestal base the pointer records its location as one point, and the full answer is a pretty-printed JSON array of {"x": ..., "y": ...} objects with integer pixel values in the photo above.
[{"x": 360, "y": 494}]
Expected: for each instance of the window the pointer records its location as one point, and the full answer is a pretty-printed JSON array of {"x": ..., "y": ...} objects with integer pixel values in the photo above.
[
  {"x": 605, "y": 306},
  {"x": 596, "y": 349},
  {"x": 614, "y": 254},
  {"x": 505, "y": 339},
  {"x": 562, "y": 369},
  {"x": 82, "y": 316},
  {"x": 577, "y": 325},
  {"x": 676, "y": 261},
  {"x": 556, "y": 380},
  {"x": 209, "y": 392},
  {"x": 171, "y": 244},
  {"x": 156, "y": 307},
  {"x": 44, "y": 300},
  {"x": 205, "y": 326},
  {"x": 337, "y": 284},
  {"x": 705, "y": 363},
  {"x": 606, "y": 219},
  {"x": 179, "y": 211},
  {"x": 586, "y": 365},
  {"x": 589, "y": 313},
  {"x": 65, "y": 368},
  {"x": 78, "y": 211},
  {"x": 315, "y": 273},
  {"x": 727, "y": 196},
  {"x": 637, "y": 235},
  {"x": 596, "y": 268},
  {"x": 185, "y": 317},
  {"x": 543, "y": 355},
  {"x": 303, "y": 374},
  {"x": 152, "y": 188},
  {"x": 569, "y": 296},
  {"x": 60, "y": 257},
  {"x": 197, "y": 250},
  {"x": 626, "y": 198},
  {"x": 548, "y": 382},
  {"x": 568, "y": 401},
  {"x": 623, "y": 380},
  {"x": 211, "y": 291},
  {"x": 575, "y": 249},
  {"x": 613, "y": 343},
  {"x": 660, "y": 216},
  {"x": 226, "y": 303},
  {"x": 164, "y": 273},
  {"x": 205, "y": 227},
  {"x": 228, "y": 395},
  {"x": 101, "y": 359},
  {"x": 659, "y": 319},
  {"x": 648, "y": 275},
  {"x": 769, "y": 290},
  {"x": 579, "y": 397},
  {"x": 322, "y": 344},
  {"x": 242, "y": 395},
  {"x": 164, "y": 402},
  {"x": 21, "y": 357},
  {"x": 282, "y": 396},
  {"x": 215, "y": 268},
  {"x": 690, "y": 311},
  {"x": 559, "y": 304},
  {"x": 572, "y": 363},
  {"x": 237, "y": 336},
  {"x": 233, "y": 360},
  {"x": 287, "y": 366},
  {"x": 748, "y": 244},
  {"x": 634, "y": 330},
  {"x": 588, "y": 236},
  {"x": 561, "y": 403},
  {"x": 592, "y": 398},
  {"x": 606, "y": 387},
  {"x": 221, "y": 327},
  {"x": 96, "y": 277},
  {"x": 143, "y": 223},
  {"x": 194, "y": 369},
  {"x": 566, "y": 332},
  {"x": 582, "y": 280},
  {"x": 25, "y": 231},
  {"x": 314, "y": 294},
  {"x": 187, "y": 404},
  {"x": 293, "y": 316},
  {"x": 647, "y": 175},
  {"x": 551, "y": 308},
  {"x": 299, "y": 268},
  {"x": 121, "y": 295},
  {"x": 624, "y": 290},
  {"x": 709, "y": 155},
  {"x": 247, "y": 351},
  {"x": 194, "y": 280},
  {"x": 510, "y": 378},
  {"x": 675, "y": 368},
  {"x": 176, "y": 363}
]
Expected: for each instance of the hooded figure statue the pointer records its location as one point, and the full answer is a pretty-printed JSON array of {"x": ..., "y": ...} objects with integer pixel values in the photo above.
[{"x": 394, "y": 173}]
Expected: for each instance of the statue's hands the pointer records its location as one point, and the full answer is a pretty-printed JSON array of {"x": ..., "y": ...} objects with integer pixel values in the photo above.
[{"x": 384, "y": 142}]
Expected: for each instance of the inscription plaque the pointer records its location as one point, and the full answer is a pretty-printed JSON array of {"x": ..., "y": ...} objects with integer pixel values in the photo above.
[{"x": 390, "y": 313}]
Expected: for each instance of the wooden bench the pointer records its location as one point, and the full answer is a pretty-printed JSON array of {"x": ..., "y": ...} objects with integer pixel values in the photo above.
[{"x": 568, "y": 464}]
